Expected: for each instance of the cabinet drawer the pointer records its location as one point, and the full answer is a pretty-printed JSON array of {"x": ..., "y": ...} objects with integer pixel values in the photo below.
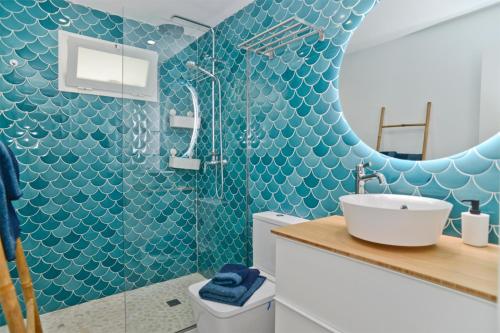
[
  {"x": 355, "y": 297},
  {"x": 288, "y": 320}
]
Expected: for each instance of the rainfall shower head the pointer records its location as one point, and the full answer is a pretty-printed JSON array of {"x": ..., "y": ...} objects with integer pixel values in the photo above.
[
  {"x": 193, "y": 23},
  {"x": 191, "y": 27},
  {"x": 172, "y": 29}
]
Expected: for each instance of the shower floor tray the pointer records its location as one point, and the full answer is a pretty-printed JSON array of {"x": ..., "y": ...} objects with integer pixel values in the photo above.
[{"x": 146, "y": 310}]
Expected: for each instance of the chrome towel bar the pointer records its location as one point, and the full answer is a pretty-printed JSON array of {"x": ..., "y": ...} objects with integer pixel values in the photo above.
[{"x": 282, "y": 34}]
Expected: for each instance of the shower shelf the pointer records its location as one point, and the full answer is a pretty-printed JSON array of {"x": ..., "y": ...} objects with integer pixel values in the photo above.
[
  {"x": 183, "y": 122},
  {"x": 184, "y": 163},
  {"x": 289, "y": 31}
]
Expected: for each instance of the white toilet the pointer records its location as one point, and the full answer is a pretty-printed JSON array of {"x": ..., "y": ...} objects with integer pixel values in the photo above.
[{"x": 257, "y": 315}]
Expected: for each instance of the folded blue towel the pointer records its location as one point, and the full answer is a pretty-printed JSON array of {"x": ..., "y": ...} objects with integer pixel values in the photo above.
[
  {"x": 9, "y": 191},
  {"x": 253, "y": 288},
  {"x": 215, "y": 292},
  {"x": 231, "y": 275},
  {"x": 237, "y": 295}
]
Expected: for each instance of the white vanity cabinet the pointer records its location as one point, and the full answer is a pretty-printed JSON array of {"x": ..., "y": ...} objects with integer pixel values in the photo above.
[{"x": 320, "y": 291}]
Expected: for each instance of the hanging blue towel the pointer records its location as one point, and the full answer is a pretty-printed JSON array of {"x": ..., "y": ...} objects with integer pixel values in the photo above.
[
  {"x": 233, "y": 295},
  {"x": 403, "y": 156},
  {"x": 9, "y": 191},
  {"x": 231, "y": 275}
]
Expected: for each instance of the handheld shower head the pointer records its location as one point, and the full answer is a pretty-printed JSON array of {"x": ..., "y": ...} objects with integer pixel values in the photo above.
[{"x": 192, "y": 65}]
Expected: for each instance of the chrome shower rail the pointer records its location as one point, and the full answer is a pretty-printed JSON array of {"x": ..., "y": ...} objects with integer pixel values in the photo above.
[{"x": 284, "y": 33}]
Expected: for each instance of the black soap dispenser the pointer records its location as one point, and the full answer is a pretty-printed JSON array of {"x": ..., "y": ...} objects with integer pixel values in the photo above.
[{"x": 475, "y": 225}]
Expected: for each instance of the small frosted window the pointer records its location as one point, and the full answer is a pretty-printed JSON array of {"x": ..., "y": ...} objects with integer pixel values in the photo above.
[
  {"x": 99, "y": 66},
  {"x": 108, "y": 67},
  {"x": 93, "y": 66},
  {"x": 136, "y": 72}
]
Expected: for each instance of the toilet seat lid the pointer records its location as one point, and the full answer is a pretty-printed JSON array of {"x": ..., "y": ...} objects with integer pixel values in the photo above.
[{"x": 263, "y": 295}]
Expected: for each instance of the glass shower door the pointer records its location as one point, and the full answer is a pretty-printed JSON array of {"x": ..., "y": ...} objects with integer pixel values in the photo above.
[
  {"x": 223, "y": 228},
  {"x": 159, "y": 214}
]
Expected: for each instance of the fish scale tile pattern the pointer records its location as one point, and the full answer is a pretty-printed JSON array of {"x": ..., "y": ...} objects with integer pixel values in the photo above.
[
  {"x": 100, "y": 212},
  {"x": 301, "y": 150},
  {"x": 160, "y": 215},
  {"x": 221, "y": 220},
  {"x": 69, "y": 147}
]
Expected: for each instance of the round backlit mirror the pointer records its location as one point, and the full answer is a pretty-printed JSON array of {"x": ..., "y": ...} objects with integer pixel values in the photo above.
[{"x": 423, "y": 82}]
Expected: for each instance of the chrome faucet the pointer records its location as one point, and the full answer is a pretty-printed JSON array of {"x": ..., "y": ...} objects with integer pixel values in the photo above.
[
  {"x": 362, "y": 177},
  {"x": 214, "y": 159}
]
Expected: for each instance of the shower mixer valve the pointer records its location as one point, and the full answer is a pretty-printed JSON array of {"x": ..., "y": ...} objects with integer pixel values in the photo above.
[{"x": 214, "y": 159}]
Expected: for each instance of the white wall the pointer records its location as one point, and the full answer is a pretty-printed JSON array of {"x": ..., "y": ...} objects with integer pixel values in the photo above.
[
  {"x": 489, "y": 115},
  {"x": 441, "y": 64},
  {"x": 393, "y": 19}
]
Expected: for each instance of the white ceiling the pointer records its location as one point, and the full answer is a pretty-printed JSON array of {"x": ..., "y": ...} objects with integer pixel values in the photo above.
[
  {"x": 390, "y": 20},
  {"x": 393, "y": 19},
  {"x": 156, "y": 12}
]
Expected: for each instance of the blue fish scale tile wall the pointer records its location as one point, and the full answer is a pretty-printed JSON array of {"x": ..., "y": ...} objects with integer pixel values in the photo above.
[
  {"x": 160, "y": 210},
  {"x": 221, "y": 223},
  {"x": 101, "y": 208},
  {"x": 222, "y": 220},
  {"x": 69, "y": 147}
]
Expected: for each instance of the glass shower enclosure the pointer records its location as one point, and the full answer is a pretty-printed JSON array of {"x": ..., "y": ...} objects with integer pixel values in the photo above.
[{"x": 179, "y": 225}]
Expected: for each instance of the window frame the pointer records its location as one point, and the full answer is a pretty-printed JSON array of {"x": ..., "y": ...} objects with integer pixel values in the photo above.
[{"x": 68, "y": 65}]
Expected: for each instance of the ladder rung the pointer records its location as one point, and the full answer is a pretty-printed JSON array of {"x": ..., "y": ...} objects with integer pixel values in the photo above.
[{"x": 404, "y": 125}]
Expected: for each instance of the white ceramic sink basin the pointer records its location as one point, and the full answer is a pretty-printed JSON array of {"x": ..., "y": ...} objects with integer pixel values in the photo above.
[{"x": 391, "y": 219}]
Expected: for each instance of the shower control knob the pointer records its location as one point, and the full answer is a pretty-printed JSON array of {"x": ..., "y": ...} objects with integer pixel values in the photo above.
[
  {"x": 173, "y": 152},
  {"x": 173, "y": 112}
]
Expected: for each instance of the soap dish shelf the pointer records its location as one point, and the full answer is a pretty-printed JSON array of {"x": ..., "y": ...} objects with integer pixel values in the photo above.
[
  {"x": 183, "y": 122},
  {"x": 184, "y": 163}
]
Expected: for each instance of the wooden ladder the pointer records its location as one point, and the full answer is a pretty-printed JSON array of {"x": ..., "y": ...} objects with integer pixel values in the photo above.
[
  {"x": 425, "y": 125},
  {"x": 8, "y": 297}
]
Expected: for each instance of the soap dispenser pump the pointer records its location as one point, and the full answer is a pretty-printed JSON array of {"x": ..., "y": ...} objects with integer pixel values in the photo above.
[{"x": 475, "y": 225}]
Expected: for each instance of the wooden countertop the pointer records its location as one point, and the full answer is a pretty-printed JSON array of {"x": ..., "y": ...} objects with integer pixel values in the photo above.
[{"x": 449, "y": 263}]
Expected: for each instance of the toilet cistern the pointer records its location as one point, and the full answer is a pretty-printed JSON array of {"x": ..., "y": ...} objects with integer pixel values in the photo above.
[{"x": 362, "y": 177}]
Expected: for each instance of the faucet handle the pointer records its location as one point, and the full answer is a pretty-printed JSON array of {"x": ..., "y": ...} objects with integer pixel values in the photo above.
[{"x": 361, "y": 166}]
